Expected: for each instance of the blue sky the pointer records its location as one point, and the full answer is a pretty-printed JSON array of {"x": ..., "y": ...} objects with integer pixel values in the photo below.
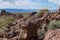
[{"x": 29, "y": 4}]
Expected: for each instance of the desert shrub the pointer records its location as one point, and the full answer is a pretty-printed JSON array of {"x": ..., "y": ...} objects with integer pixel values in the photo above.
[
  {"x": 41, "y": 33},
  {"x": 54, "y": 25},
  {"x": 41, "y": 12},
  {"x": 21, "y": 33}
]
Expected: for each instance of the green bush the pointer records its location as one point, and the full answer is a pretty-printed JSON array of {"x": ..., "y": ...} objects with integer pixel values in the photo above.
[
  {"x": 54, "y": 25},
  {"x": 41, "y": 33}
]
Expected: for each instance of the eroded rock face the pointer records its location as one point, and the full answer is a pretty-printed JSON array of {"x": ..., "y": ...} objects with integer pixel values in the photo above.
[
  {"x": 52, "y": 35},
  {"x": 26, "y": 29}
]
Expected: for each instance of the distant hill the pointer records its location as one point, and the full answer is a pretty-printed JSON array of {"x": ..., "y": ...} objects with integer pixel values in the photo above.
[
  {"x": 25, "y": 10},
  {"x": 20, "y": 10}
]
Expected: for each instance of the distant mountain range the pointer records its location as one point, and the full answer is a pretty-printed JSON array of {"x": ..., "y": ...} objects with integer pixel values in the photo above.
[
  {"x": 19, "y": 10},
  {"x": 23, "y": 10}
]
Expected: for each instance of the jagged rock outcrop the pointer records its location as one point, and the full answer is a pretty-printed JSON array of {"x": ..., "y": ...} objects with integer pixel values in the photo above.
[
  {"x": 26, "y": 29},
  {"x": 52, "y": 35}
]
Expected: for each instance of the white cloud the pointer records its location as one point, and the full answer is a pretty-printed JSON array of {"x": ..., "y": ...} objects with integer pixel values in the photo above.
[
  {"x": 0, "y": 0},
  {"x": 5, "y": 4},
  {"x": 19, "y": 4},
  {"x": 55, "y": 1}
]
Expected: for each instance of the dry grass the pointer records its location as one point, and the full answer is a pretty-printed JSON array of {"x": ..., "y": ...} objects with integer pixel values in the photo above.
[{"x": 4, "y": 21}]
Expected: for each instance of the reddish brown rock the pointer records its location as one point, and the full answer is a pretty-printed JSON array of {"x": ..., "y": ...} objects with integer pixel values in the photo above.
[{"x": 52, "y": 35}]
